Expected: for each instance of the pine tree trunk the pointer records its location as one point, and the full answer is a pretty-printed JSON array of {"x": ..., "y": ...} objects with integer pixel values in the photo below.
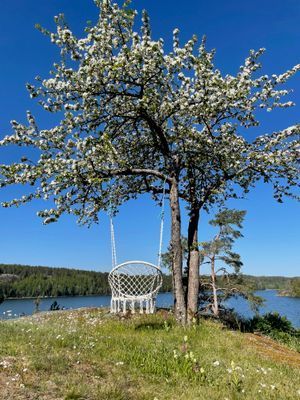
[
  {"x": 180, "y": 304},
  {"x": 193, "y": 266},
  {"x": 215, "y": 306}
]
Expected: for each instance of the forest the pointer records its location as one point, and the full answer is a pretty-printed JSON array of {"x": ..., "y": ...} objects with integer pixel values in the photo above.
[{"x": 28, "y": 281}]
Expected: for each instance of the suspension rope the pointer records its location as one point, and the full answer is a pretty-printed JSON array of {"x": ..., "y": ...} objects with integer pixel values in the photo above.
[
  {"x": 112, "y": 236},
  {"x": 112, "y": 232},
  {"x": 162, "y": 220},
  {"x": 113, "y": 243}
]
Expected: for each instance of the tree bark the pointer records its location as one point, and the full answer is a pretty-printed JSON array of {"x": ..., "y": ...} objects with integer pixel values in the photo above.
[
  {"x": 193, "y": 266},
  {"x": 215, "y": 306},
  {"x": 180, "y": 304}
]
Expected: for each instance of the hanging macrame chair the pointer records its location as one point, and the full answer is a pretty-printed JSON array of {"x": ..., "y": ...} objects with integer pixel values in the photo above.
[{"x": 135, "y": 284}]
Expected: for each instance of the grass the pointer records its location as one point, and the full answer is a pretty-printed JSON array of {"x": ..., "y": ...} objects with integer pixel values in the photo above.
[{"x": 88, "y": 354}]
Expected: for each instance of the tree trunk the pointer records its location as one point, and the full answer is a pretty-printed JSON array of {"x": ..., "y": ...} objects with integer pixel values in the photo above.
[
  {"x": 193, "y": 266},
  {"x": 180, "y": 304},
  {"x": 215, "y": 305}
]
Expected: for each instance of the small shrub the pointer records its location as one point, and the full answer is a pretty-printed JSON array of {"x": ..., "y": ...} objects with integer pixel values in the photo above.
[{"x": 271, "y": 322}]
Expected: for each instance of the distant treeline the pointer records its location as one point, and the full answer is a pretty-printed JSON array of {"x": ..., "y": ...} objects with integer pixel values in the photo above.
[
  {"x": 28, "y": 281},
  {"x": 267, "y": 282}
]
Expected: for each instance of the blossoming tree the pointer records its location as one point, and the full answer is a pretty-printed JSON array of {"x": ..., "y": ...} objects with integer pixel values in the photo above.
[{"x": 135, "y": 117}]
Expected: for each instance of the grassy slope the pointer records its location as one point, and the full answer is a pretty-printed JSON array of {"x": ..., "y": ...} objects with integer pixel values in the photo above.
[{"x": 87, "y": 354}]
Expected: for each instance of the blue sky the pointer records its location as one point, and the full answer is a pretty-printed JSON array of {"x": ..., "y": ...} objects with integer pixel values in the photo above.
[{"x": 271, "y": 235}]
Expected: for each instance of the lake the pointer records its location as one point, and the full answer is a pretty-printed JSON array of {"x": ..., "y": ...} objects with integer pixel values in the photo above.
[{"x": 288, "y": 306}]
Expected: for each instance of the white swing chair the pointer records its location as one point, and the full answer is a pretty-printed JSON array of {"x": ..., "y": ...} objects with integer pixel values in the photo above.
[{"x": 135, "y": 284}]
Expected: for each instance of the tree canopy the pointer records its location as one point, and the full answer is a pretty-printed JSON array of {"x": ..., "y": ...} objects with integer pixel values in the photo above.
[{"x": 133, "y": 113}]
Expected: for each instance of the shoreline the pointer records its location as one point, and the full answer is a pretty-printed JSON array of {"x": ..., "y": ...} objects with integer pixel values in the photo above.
[
  {"x": 54, "y": 297},
  {"x": 61, "y": 297}
]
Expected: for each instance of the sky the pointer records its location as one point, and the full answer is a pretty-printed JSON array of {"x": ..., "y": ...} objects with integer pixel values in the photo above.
[{"x": 271, "y": 231}]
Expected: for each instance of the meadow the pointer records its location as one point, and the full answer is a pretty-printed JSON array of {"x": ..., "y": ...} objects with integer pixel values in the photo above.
[{"x": 88, "y": 354}]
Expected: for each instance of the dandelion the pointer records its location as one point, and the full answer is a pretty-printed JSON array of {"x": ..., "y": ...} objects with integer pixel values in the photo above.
[{"x": 185, "y": 338}]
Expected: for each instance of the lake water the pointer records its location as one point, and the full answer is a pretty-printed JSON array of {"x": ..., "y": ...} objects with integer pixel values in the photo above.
[{"x": 288, "y": 306}]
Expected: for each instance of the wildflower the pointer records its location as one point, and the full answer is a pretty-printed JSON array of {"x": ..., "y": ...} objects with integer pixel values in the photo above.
[
  {"x": 202, "y": 370},
  {"x": 185, "y": 339},
  {"x": 216, "y": 363},
  {"x": 119, "y": 363}
]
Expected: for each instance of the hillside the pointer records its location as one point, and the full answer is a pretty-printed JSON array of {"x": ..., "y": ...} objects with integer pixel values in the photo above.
[
  {"x": 293, "y": 289},
  {"x": 90, "y": 355}
]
